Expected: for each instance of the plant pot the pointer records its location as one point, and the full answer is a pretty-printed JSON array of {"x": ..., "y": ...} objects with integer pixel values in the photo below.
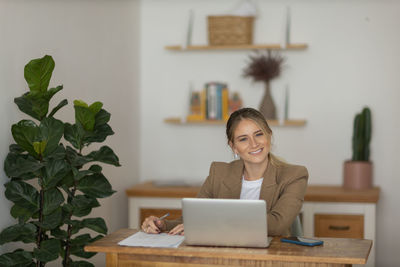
[{"x": 357, "y": 175}]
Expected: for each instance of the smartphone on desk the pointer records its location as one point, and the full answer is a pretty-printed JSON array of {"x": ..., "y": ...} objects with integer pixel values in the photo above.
[{"x": 302, "y": 241}]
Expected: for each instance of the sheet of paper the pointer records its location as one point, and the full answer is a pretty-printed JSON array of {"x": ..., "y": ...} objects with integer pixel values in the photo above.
[{"x": 162, "y": 240}]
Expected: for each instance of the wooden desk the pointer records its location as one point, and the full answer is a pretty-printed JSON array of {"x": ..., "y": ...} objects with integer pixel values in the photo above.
[
  {"x": 328, "y": 210},
  {"x": 335, "y": 252}
]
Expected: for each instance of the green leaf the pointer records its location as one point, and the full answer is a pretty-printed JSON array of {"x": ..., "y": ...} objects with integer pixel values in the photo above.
[
  {"x": 39, "y": 103},
  {"x": 48, "y": 251},
  {"x": 58, "y": 107},
  {"x": 57, "y": 154},
  {"x": 51, "y": 221},
  {"x": 19, "y": 232},
  {"x": 95, "y": 185},
  {"x": 82, "y": 205},
  {"x": 78, "y": 134},
  {"x": 101, "y": 129},
  {"x": 81, "y": 240},
  {"x": 14, "y": 148},
  {"x": 66, "y": 182},
  {"x": 102, "y": 117},
  {"x": 81, "y": 264},
  {"x": 67, "y": 208},
  {"x": 85, "y": 117},
  {"x": 22, "y": 194},
  {"x": 105, "y": 155},
  {"x": 51, "y": 130},
  {"x": 53, "y": 198},
  {"x": 59, "y": 233},
  {"x": 38, "y": 73},
  {"x": 80, "y": 174},
  {"x": 25, "y": 133},
  {"x": 96, "y": 107},
  {"x": 17, "y": 258},
  {"x": 17, "y": 165},
  {"x": 80, "y": 103},
  {"x": 54, "y": 172},
  {"x": 96, "y": 168},
  {"x": 99, "y": 134},
  {"x": 74, "y": 134},
  {"x": 21, "y": 213},
  {"x": 76, "y": 226},
  {"x": 76, "y": 159},
  {"x": 26, "y": 106},
  {"x": 78, "y": 243},
  {"x": 96, "y": 224},
  {"x": 52, "y": 91},
  {"x": 39, "y": 147}
]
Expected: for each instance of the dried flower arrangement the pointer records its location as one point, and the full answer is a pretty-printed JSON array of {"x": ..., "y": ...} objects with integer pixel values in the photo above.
[{"x": 263, "y": 67}]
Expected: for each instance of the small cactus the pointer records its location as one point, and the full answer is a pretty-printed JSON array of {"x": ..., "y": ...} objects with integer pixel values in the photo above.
[{"x": 362, "y": 135}]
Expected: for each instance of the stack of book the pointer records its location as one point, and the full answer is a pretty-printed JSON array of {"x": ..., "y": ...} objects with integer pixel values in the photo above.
[{"x": 210, "y": 104}]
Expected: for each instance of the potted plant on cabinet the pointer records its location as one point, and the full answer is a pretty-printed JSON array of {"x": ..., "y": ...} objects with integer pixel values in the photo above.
[
  {"x": 357, "y": 172},
  {"x": 51, "y": 185}
]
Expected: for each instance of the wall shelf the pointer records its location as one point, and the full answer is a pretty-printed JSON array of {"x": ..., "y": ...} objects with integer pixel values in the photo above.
[
  {"x": 179, "y": 121},
  {"x": 237, "y": 47}
]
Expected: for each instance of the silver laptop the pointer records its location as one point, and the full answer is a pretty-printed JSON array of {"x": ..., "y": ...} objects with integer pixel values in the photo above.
[{"x": 225, "y": 222}]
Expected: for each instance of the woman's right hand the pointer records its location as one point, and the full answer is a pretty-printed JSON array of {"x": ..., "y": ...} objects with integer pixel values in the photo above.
[{"x": 153, "y": 225}]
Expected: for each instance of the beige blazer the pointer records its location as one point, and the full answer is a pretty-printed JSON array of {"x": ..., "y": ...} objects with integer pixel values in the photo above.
[{"x": 283, "y": 189}]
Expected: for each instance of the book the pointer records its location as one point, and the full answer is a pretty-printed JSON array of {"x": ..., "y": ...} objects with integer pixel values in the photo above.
[{"x": 225, "y": 104}]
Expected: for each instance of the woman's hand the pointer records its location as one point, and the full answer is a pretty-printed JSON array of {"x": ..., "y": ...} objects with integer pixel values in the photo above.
[
  {"x": 153, "y": 225},
  {"x": 177, "y": 230}
]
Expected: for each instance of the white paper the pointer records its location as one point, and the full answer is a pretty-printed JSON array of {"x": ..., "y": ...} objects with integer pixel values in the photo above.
[{"x": 163, "y": 240}]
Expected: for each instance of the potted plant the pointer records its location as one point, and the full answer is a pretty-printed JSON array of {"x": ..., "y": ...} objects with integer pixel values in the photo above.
[
  {"x": 53, "y": 184},
  {"x": 265, "y": 67},
  {"x": 357, "y": 172}
]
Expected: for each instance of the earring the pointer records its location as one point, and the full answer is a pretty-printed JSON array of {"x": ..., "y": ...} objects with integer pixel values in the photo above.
[{"x": 236, "y": 156}]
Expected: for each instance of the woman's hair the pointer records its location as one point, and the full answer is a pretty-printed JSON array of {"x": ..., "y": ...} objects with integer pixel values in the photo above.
[
  {"x": 256, "y": 117},
  {"x": 246, "y": 113}
]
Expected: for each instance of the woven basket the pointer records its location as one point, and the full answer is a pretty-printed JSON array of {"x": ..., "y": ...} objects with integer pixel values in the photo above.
[{"x": 230, "y": 30}]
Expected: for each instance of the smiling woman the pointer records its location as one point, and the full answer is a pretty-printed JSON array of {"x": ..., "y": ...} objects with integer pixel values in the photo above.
[{"x": 256, "y": 175}]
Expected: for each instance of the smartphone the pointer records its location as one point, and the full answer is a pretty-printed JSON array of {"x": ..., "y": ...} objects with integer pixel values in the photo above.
[{"x": 302, "y": 241}]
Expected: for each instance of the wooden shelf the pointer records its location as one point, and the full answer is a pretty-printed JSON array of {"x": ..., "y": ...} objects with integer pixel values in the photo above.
[
  {"x": 329, "y": 193},
  {"x": 237, "y": 47},
  {"x": 315, "y": 193},
  {"x": 179, "y": 121}
]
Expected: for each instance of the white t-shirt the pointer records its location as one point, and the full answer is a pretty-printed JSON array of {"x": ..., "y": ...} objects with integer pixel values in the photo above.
[{"x": 251, "y": 189}]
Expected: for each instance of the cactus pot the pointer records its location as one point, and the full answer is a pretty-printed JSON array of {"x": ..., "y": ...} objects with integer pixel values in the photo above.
[{"x": 357, "y": 175}]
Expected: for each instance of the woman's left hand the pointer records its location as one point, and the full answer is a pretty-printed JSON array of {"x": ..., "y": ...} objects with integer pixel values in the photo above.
[{"x": 177, "y": 230}]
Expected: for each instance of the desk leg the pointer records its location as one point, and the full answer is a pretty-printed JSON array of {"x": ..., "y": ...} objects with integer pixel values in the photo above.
[{"x": 112, "y": 260}]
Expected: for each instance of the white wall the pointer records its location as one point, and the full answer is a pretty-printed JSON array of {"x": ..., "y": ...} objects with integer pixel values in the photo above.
[
  {"x": 103, "y": 49},
  {"x": 96, "y": 50},
  {"x": 352, "y": 61}
]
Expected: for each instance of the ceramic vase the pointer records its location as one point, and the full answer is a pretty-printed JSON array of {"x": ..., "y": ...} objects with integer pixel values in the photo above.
[{"x": 267, "y": 106}]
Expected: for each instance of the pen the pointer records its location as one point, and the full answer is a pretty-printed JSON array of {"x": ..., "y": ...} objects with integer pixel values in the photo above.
[{"x": 164, "y": 216}]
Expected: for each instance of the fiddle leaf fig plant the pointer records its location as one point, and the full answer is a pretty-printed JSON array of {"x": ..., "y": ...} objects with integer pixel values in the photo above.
[{"x": 53, "y": 183}]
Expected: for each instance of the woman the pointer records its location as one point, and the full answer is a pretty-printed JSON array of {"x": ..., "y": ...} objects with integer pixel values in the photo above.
[{"x": 256, "y": 175}]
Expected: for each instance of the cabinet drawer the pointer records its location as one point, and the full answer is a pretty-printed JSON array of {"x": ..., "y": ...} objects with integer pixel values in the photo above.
[
  {"x": 339, "y": 225},
  {"x": 146, "y": 212}
]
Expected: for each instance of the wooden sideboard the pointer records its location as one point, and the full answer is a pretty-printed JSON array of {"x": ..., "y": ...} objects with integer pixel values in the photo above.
[
  {"x": 328, "y": 211},
  {"x": 335, "y": 252}
]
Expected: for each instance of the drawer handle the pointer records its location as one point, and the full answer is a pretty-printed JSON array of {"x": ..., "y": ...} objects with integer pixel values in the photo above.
[{"x": 339, "y": 228}]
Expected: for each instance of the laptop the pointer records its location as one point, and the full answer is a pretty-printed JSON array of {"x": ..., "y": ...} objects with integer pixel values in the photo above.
[{"x": 225, "y": 222}]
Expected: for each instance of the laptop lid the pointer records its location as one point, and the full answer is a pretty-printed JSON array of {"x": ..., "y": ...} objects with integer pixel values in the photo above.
[{"x": 225, "y": 222}]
